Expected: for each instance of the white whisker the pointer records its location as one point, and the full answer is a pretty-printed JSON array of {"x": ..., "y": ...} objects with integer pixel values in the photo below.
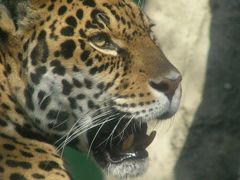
[
  {"x": 79, "y": 132},
  {"x": 95, "y": 138},
  {"x": 125, "y": 127},
  {"x": 106, "y": 140}
]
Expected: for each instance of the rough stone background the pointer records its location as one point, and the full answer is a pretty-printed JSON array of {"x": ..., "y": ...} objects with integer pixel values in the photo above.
[{"x": 202, "y": 142}]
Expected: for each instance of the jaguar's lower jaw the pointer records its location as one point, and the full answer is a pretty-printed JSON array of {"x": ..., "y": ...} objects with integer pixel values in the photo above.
[
  {"x": 127, "y": 168},
  {"x": 124, "y": 164},
  {"x": 124, "y": 155}
]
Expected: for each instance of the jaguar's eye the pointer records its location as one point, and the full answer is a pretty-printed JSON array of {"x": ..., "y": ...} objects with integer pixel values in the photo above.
[
  {"x": 103, "y": 43},
  {"x": 101, "y": 40}
]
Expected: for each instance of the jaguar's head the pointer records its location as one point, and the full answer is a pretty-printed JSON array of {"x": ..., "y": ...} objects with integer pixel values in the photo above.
[{"x": 94, "y": 76}]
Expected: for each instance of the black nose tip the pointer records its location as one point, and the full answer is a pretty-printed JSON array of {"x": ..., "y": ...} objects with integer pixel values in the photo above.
[{"x": 167, "y": 86}]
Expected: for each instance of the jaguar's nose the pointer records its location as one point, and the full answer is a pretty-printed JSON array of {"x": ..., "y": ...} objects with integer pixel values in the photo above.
[{"x": 167, "y": 85}]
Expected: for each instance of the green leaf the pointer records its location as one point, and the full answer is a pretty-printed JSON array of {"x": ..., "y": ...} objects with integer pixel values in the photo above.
[{"x": 80, "y": 166}]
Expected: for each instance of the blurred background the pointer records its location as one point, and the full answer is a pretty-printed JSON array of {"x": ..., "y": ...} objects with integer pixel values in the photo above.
[{"x": 202, "y": 142}]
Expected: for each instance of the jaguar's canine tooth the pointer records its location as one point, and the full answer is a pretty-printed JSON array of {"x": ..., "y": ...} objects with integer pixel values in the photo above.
[{"x": 149, "y": 139}]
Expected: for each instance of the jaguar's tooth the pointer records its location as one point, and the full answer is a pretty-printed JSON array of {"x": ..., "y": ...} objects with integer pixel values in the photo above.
[
  {"x": 149, "y": 139},
  {"x": 127, "y": 144}
]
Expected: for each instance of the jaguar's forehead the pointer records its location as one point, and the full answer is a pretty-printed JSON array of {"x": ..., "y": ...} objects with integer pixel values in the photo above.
[
  {"x": 86, "y": 3},
  {"x": 118, "y": 15}
]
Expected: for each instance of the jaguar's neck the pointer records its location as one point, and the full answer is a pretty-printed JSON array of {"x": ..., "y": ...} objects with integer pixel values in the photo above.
[
  {"x": 11, "y": 90},
  {"x": 9, "y": 77},
  {"x": 10, "y": 82},
  {"x": 14, "y": 91}
]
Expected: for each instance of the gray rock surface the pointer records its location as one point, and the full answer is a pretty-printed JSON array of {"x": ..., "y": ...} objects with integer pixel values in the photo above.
[{"x": 212, "y": 147}]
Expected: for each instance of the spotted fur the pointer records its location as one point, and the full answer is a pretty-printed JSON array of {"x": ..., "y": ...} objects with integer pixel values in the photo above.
[{"x": 63, "y": 62}]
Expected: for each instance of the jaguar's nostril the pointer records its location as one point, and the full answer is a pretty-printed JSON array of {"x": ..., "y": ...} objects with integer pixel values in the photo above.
[
  {"x": 167, "y": 86},
  {"x": 162, "y": 86}
]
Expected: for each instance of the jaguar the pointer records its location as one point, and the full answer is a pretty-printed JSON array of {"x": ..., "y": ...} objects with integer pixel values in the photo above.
[{"x": 83, "y": 73}]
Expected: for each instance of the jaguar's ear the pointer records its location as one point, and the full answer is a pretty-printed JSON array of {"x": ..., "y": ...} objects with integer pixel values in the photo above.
[{"x": 7, "y": 26}]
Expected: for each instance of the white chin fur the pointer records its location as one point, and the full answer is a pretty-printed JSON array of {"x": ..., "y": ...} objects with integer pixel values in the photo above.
[
  {"x": 128, "y": 169},
  {"x": 175, "y": 101}
]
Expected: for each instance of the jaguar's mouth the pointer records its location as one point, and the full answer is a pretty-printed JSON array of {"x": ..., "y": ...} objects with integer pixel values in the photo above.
[{"x": 117, "y": 142}]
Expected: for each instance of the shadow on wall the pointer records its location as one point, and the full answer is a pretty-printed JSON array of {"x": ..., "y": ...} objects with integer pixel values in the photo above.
[{"x": 212, "y": 148}]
